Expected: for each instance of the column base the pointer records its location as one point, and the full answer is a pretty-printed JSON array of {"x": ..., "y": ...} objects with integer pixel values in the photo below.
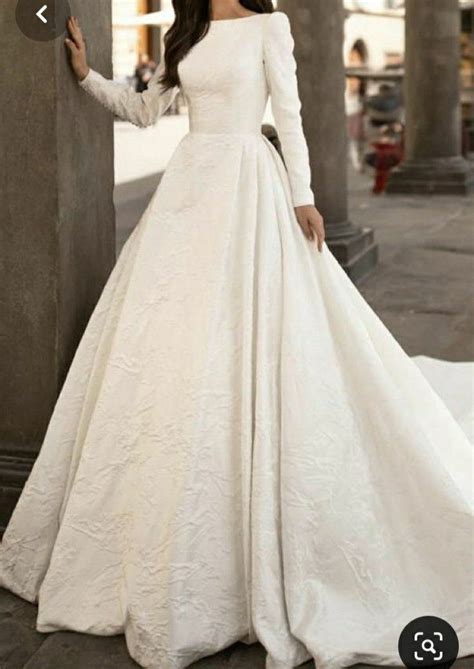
[
  {"x": 357, "y": 253},
  {"x": 14, "y": 471},
  {"x": 436, "y": 176}
]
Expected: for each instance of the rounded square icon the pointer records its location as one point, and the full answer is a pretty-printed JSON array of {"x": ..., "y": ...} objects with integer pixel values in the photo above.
[
  {"x": 428, "y": 642},
  {"x": 42, "y": 20}
]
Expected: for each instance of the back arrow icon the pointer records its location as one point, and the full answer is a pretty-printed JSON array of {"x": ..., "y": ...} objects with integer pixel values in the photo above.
[{"x": 40, "y": 12}]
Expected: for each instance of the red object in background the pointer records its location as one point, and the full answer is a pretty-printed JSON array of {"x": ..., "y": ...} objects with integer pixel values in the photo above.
[{"x": 387, "y": 155}]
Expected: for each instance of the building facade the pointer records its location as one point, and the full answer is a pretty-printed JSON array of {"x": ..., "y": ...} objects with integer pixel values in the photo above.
[{"x": 129, "y": 42}]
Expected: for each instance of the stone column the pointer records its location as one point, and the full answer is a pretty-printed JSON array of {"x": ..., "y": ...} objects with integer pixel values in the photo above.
[
  {"x": 57, "y": 226},
  {"x": 156, "y": 32},
  {"x": 318, "y": 31},
  {"x": 433, "y": 162}
]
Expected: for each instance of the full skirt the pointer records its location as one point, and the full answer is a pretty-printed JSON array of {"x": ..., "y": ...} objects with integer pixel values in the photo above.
[{"x": 241, "y": 450}]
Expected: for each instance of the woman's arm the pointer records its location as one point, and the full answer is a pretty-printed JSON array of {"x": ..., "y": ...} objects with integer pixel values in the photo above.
[
  {"x": 142, "y": 109},
  {"x": 280, "y": 66}
]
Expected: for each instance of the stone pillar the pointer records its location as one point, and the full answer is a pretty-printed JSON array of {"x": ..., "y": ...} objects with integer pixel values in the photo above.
[
  {"x": 57, "y": 226},
  {"x": 156, "y": 32},
  {"x": 318, "y": 33},
  {"x": 433, "y": 161}
]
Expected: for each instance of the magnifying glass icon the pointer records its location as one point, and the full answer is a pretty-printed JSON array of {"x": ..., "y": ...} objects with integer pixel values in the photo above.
[{"x": 428, "y": 646}]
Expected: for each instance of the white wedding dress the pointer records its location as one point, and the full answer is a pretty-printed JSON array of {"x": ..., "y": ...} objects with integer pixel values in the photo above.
[{"x": 241, "y": 450}]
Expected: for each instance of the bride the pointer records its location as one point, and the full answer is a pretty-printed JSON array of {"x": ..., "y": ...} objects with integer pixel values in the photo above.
[{"x": 241, "y": 450}]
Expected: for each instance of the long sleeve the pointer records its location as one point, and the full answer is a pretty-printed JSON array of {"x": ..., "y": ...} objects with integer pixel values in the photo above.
[
  {"x": 142, "y": 109},
  {"x": 280, "y": 66}
]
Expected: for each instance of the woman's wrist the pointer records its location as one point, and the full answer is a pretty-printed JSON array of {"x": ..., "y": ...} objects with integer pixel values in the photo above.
[{"x": 82, "y": 73}]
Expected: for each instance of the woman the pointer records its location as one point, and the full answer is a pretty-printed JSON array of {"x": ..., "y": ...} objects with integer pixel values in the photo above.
[
  {"x": 354, "y": 101},
  {"x": 241, "y": 450}
]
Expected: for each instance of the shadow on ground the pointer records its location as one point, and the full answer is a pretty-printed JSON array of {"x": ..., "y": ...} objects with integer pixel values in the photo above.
[{"x": 22, "y": 647}]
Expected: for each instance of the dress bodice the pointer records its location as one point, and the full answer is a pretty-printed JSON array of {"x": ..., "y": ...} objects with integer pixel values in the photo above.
[
  {"x": 223, "y": 78},
  {"x": 226, "y": 79}
]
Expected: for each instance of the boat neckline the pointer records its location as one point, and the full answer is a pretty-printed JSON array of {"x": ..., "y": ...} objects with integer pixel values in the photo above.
[{"x": 241, "y": 18}]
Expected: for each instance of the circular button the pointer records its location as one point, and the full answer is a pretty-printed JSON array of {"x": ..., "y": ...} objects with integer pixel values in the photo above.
[
  {"x": 42, "y": 20},
  {"x": 428, "y": 642}
]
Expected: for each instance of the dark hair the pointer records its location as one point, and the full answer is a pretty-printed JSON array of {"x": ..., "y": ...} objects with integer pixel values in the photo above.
[
  {"x": 192, "y": 19},
  {"x": 360, "y": 48}
]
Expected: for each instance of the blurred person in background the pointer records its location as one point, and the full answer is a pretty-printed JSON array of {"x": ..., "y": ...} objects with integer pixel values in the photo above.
[
  {"x": 144, "y": 72},
  {"x": 354, "y": 100}
]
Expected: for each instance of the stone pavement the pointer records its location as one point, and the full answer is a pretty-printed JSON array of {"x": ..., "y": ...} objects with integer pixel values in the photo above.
[
  {"x": 422, "y": 289},
  {"x": 423, "y": 286}
]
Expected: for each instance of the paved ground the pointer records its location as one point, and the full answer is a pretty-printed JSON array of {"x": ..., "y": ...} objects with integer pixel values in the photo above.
[
  {"x": 22, "y": 647},
  {"x": 421, "y": 289}
]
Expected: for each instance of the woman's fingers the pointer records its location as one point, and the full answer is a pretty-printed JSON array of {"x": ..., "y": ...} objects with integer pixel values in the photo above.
[
  {"x": 311, "y": 223},
  {"x": 75, "y": 43},
  {"x": 71, "y": 46},
  {"x": 72, "y": 32},
  {"x": 320, "y": 242},
  {"x": 304, "y": 225},
  {"x": 307, "y": 230},
  {"x": 71, "y": 26},
  {"x": 75, "y": 31},
  {"x": 321, "y": 237},
  {"x": 318, "y": 227},
  {"x": 316, "y": 224}
]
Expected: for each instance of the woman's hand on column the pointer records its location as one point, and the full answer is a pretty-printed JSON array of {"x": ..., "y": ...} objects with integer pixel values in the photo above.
[
  {"x": 77, "y": 48},
  {"x": 312, "y": 224}
]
